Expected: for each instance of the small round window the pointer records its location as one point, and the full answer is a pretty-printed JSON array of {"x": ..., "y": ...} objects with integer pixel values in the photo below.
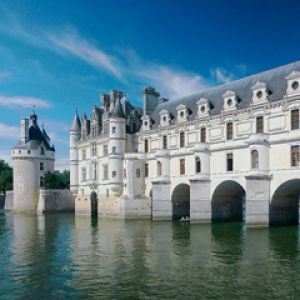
[
  {"x": 259, "y": 94},
  {"x": 295, "y": 85},
  {"x": 182, "y": 114},
  {"x": 203, "y": 109},
  {"x": 229, "y": 102}
]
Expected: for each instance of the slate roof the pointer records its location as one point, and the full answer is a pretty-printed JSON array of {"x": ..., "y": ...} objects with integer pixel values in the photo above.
[{"x": 274, "y": 79}]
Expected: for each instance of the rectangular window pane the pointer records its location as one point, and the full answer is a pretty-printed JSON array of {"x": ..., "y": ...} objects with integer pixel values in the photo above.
[
  {"x": 165, "y": 144},
  {"x": 260, "y": 124},
  {"x": 146, "y": 147},
  {"x": 295, "y": 157},
  {"x": 203, "y": 135},
  {"x": 295, "y": 119},
  {"x": 182, "y": 166},
  {"x": 229, "y": 162},
  {"x": 182, "y": 141},
  {"x": 146, "y": 170},
  {"x": 229, "y": 131}
]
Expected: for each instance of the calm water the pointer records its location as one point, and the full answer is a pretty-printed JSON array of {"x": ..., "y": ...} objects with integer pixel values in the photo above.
[{"x": 62, "y": 256}]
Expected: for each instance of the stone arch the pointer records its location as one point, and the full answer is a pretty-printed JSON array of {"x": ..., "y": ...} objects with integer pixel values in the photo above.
[
  {"x": 284, "y": 206},
  {"x": 94, "y": 204},
  {"x": 228, "y": 202},
  {"x": 181, "y": 201}
]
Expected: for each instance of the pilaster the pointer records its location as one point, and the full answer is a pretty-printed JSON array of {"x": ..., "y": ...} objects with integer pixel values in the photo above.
[
  {"x": 200, "y": 206},
  {"x": 257, "y": 200},
  {"x": 161, "y": 201}
]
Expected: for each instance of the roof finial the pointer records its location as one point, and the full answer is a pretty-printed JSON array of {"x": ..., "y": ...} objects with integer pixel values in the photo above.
[{"x": 33, "y": 108}]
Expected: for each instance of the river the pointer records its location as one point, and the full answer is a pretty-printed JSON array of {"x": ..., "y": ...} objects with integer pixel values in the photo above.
[{"x": 61, "y": 256}]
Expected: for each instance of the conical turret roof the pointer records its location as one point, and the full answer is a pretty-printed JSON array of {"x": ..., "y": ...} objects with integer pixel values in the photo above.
[
  {"x": 76, "y": 125},
  {"x": 118, "y": 110}
]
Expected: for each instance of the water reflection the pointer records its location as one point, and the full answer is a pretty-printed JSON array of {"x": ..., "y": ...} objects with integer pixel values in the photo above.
[{"x": 57, "y": 255}]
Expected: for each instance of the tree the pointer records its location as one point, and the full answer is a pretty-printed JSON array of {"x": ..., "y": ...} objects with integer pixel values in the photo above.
[
  {"x": 57, "y": 180},
  {"x": 6, "y": 177}
]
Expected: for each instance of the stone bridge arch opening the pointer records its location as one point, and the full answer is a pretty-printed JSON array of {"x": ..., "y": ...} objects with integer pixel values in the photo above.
[
  {"x": 284, "y": 206},
  {"x": 94, "y": 204},
  {"x": 228, "y": 202},
  {"x": 181, "y": 202}
]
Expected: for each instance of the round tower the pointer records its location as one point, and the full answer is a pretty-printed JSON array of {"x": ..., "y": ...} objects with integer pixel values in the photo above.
[
  {"x": 32, "y": 158},
  {"x": 116, "y": 147},
  {"x": 75, "y": 131}
]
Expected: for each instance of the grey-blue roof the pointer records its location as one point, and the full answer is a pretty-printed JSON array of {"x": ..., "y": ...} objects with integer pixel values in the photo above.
[{"x": 274, "y": 79}]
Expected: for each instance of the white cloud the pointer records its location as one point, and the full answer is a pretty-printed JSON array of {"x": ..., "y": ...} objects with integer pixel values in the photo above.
[
  {"x": 75, "y": 44},
  {"x": 174, "y": 83},
  {"x": 62, "y": 164},
  {"x": 22, "y": 101},
  {"x": 8, "y": 132},
  {"x": 221, "y": 75}
]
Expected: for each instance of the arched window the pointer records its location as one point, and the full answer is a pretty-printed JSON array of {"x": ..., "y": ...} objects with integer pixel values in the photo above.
[
  {"x": 159, "y": 171},
  {"x": 254, "y": 159},
  {"x": 198, "y": 164}
]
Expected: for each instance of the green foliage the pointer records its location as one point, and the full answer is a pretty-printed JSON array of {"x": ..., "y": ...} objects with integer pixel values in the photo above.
[
  {"x": 57, "y": 180},
  {"x": 6, "y": 177}
]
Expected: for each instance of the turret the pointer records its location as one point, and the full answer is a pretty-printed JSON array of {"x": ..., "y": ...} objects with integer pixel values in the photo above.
[
  {"x": 85, "y": 127},
  {"x": 116, "y": 147},
  {"x": 32, "y": 157},
  {"x": 75, "y": 132}
]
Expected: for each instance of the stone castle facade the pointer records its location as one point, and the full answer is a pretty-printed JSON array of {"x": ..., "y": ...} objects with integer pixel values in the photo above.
[{"x": 228, "y": 153}]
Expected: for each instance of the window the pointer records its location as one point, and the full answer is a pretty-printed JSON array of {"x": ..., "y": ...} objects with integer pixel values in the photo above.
[
  {"x": 203, "y": 135},
  {"x": 42, "y": 181},
  {"x": 295, "y": 157},
  {"x": 94, "y": 149},
  {"x": 42, "y": 151},
  {"x": 105, "y": 150},
  {"x": 83, "y": 174},
  {"x": 83, "y": 154},
  {"x": 254, "y": 159},
  {"x": 182, "y": 139},
  {"x": 146, "y": 146},
  {"x": 94, "y": 131},
  {"x": 229, "y": 162},
  {"x": 107, "y": 192},
  {"x": 41, "y": 166},
  {"x": 198, "y": 165},
  {"x": 146, "y": 170},
  {"x": 182, "y": 166},
  {"x": 165, "y": 142},
  {"x": 114, "y": 149},
  {"x": 105, "y": 172},
  {"x": 95, "y": 170},
  {"x": 138, "y": 173},
  {"x": 260, "y": 124},
  {"x": 229, "y": 131},
  {"x": 113, "y": 129},
  {"x": 159, "y": 169},
  {"x": 295, "y": 119},
  {"x": 114, "y": 174},
  {"x": 28, "y": 151}
]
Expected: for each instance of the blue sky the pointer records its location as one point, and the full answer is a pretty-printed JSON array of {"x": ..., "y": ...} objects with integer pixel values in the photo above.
[{"x": 61, "y": 54}]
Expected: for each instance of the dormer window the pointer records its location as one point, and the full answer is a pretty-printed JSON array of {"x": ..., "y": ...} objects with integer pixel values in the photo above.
[
  {"x": 164, "y": 117},
  {"x": 203, "y": 107},
  {"x": 182, "y": 113},
  {"x": 260, "y": 93},
  {"x": 145, "y": 122},
  {"x": 230, "y": 101},
  {"x": 293, "y": 83}
]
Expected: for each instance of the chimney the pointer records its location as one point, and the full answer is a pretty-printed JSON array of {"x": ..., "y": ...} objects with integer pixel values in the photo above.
[
  {"x": 151, "y": 100},
  {"x": 24, "y": 131}
]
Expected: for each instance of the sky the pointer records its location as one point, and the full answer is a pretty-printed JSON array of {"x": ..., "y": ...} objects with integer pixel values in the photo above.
[{"x": 59, "y": 55}]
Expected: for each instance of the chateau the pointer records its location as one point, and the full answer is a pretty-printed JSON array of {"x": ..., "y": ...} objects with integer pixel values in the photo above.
[{"x": 228, "y": 153}]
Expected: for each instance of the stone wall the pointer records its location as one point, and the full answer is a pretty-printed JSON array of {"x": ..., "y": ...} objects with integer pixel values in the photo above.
[
  {"x": 56, "y": 201},
  {"x": 9, "y": 200}
]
